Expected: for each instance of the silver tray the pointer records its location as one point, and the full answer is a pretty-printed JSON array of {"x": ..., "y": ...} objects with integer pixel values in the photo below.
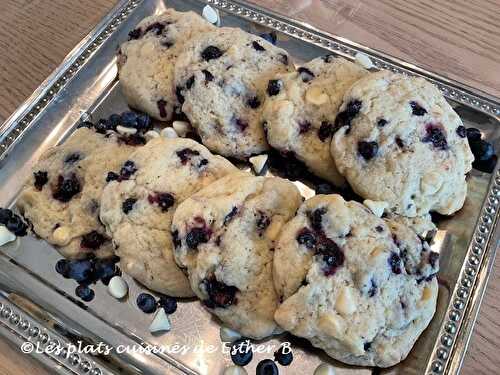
[{"x": 37, "y": 305}]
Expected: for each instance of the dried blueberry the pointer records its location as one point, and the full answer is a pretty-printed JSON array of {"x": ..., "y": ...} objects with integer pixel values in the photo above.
[
  {"x": 253, "y": 102},
  {"x": 283, "y": 58},
  {"x": 230, "y": 215},
  {"x": 373, "y": 288},
  {"x": 304, "y": 127},
  {"x": 93, "y": 240},
  {"x": 129, "y": 119},
  {"x": 331, "y": 254},
  {"x": 435, "y": 135},
  {"x": 66, "y": 188},
  {"x": 85, "y": 293},
  {"x": 112, "y": 176},
  {"x": 367, "y": 346},
  {"x": 164, "y": 200},
  {"x": 325, "y": 131},
  {"x": 175, "y": 239},
  {"x": 461, "y": 131},
  {"x": 79, "y": 270},
  {"x": 146, "y": 303},
  {"x": 16, "y": 225},
  {"x": 196, "y": 236},
  {"x": 178, "y": 94},
  {"x": 185, "y": 154},
  {"x": 473, "y": 134},
  {"x": 211, "y": 53},
  {"x": 274, "y": 87},
  {"x": 257, "y": 46},
  {"x": 219, "y": 294},
  {"x": 367, "y": 150},
  {"x": 127, "y": 170},
  {"x": 241, "y": 124},
  {"x": 209, "y": 77},
  {"x": 379, "y": 228},
  {"x": 271, "y": 37},
  {"x": 345, "y": 117},
  {"x": 381, "y": 123},
  {"x": 72, "y": 158},
  {"x": 399, "y": 142},
  {"x": 305, "y": 74},
  {"x": 128, "y": 205},
  {"x": 482, "y": 150},
  {"x": 169, "y": 304},
  {"x": 202, "y": 163},
  {"x": 263, "y": 220},
  {"x": 5, "y": 215},
  {"x": 266, "y": 367},
  {"x": 316, "y": 217},
  {"x": 307, "y": 238},
  {"x": 395, "y": 263},
  {"x": 190, "y": 82},
  {"x": 41, "y": 178},
  {"x": 134, "y": 34},
  {"x": 241, "y": 352},
  {"x": 416, "y": 109},
  {"x": 162, "y": 104}
]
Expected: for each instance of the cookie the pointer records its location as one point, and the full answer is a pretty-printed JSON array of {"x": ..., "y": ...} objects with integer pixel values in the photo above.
[
  {"x": 421, "y": 225},
  {"x": 299, "y": 118},
  {"x": 138, "y": 207},
  {"x": 357, "y": 286},
  {"x": 399, "y": 141},
  {"x": 221, "y": 79},
  {"x": 146, "y": 61},
  {"x": 225, "y": 237},
  {"x": 62, "y": 197}
]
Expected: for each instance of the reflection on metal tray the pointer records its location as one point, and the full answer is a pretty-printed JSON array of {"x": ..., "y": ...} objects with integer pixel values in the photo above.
[{"x": 36, "y": 304}]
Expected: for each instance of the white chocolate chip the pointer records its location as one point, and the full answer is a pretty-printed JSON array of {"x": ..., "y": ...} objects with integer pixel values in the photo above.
[
  {"x": 324, "y": 369},
  {"x": 258, "y": 162},
  {"x": 61, "y": 236},
  {"x": 211, "y": 15},
  {"x": 117, "y": 287},
  {"x": 235, "y": 370},
  {"x": 330, "y": 324},
  {"x": 377, "y": 207},
  {"x": 125, "y": 131},
  {"x": 181, "y": 127},
  {"x": 6, "y": 236},
  {"x": 169, "y": 133},
  {"x": 364, "y": 60},
  {"x": 151, "y": 134},
  {"x": 316, "y": 96},
  {"x": 345, "y": 302},
  {"x": 228, "y": 335},
  {"x": 160, "y": 323}
]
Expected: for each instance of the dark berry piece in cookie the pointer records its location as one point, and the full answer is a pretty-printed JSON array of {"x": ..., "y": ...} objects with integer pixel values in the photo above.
[
  {"x": 202, "y": 163},
  {"x": 146, "y": 303},
  {"x": 230, "y": 215},
  {"x": 328, "y": 58},
  {"x": 461, "y": 131},
  {"x": 487, "y": 166},
  {"x": 263, "y": 221},
  {"x": 304, "y": 127},
  {"x": 367, "y": 150},
  {"x": 345, "y": 117},
  {"x": 85, "y": 293},
  {"x": 283, "y": 58},
  {"x": 373, "y": 288},
  {"x": 270, "y": 37},
  {"x": 241, "y": 352},
  {"x": 93, "y": 240},
  {"x": 129, "y": 119},
  {"x": 72, "y": 158},
  {"x": 66, "y": 188},
  {"x": 331, "y": 254},
  {"x": 178, "y": 94},
  {"x": 482, "y": 150},
  {"x": 305, "y": 74},
  {"x": 307, "y": 238},
  {"x": 399, "y": 142},
  {"x": 101, "y": 126},
  {"x": 185, "y": 154},
  {"x": 156, "y": 27},
  {"x": 219, "y": 294},
  {"x": 266, "y": 367},
  {"x": 379, "y": 228},
  {"x": 175, "y": 239},
  {"x": 274, "y": 87},
  {"x": 134, "y": 34},
  {"x": 211, "y": 53},
  {"x": 209, "y": 77},
  {"x": 112, "y": 176},
  {"x": 190, "y": 82},
  {"x": 395, "y": 263},
  {"x": 41, "y": 178},
  {"x": 241, "y": 124},
  {"x": 128, "y": 205},
  {"x": 417, "y": 109},
  {"x": 253, "y": 102},
  {"x": 367, "y": 346},
  {"x": 473, "y": 134},
  {"x": 169, "y": 304},
  {"x": 381, "y": 123},
  {"x": 197, "y": 236},
  {"x": 162, "y": 104},
  {"x": 164, "y": 200},
  {"x": 256, "y": 46},
  {"x": 5, "y": 215},
  {"x": 435, "y": 135},
  {"x": 16, "y": 225},
  {"x": 127, "y": 170},
  {"x": 316, "y": 217},
  {"x": 283, "y": 356},
  {"x": 325, "y": 131}
]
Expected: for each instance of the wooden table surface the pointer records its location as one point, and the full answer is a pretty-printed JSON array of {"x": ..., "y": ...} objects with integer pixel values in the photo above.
[{"x": 456, "y": 38}]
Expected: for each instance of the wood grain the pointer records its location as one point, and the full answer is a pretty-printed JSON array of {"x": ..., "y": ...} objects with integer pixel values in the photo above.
[{"x": 459, "y": 39}]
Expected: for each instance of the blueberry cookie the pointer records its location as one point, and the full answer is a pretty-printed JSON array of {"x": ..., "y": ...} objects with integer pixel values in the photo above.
[
  {"x": 299, "y": 114},
  {"x": 221, "y": 79},
  {"x": 225, "y": 238},
  {"x": 146, "y": 61},
  {"x": 397, "y": 140},
  {"x": 357, "y": 286},
  {"x": 62, "y": 198},
  {"x": 137, "y": 208}
]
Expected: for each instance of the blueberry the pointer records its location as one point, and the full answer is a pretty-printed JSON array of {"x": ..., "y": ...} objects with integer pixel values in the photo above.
[
  {"x": 146, "y": 302},
  {"x": 241, "y": 124},
  {"x": 316, "y": 217},
  {"x": 41, "y": 178},
  {"x": 435, "y": 135},
  {"x": 382, "y": 122},
  {"x": 112, "y": 176},
  {"x": 230, "y": 215},
  {"x": 487, "y": 166},
  {"x": 373, "y": 288},
  {"x": 128, "y": 205},
  {"x": 72, "y": 158},
  {"x": 63, "y": 268},
  {"x": 241, "y": 352},
  {"x": 461, "y": 131},
  {"x": 416, "y": 109},
  {"x": 257, "y": 46},
  {"x": 305, "y": 74},
  {"x": 80, "y": 270},
  {"x": 195, "y": 237},
  {"x": 16, "y": 225},
  {"x": 178, "y": 94},
  {"x": 399, "y": 142},
  {"x": 325, "y": 131},
  {"x": 190, "y": 82},
  {"x": 367, "y": 346},
  {"x": 161, "y": 105},
  {"x": 101, "y": 126},
  {"x": 266, "y": 367},
  {"x": 263, "y": 221},
  {"x": 185, "y": 154},
  {"x": 114, "y": 120},
  {"x": 379, "y": 228},
  {"x": 219, "y": 294},
  {"x": 367, "y": 150},
  {"x": 164, "y": 200},
  {"x": 134, "y": 34},
  {"x": 283, "y": 58},
  {"x": 211, "y": 53},
  {"x": 104, "y": 270},
  {"x": 283, "y": 356},
  {"x": 473, "y": 134},
  {"x": 92, "y": 240},
  {"x": 143, "y": 122},
  {"x": 395, "y": 263},
  {"x": 129, "y": 119},
  {"x": 274, "y": 87},
  {"x": 331, "y": 254},
  {"x": 482, "y": 150},
  {"x": 345, "y": 117},
  {"x": 253, "y": 102},
  {"x": 169, "y": 304},
  {"x": 85, "y": 293},
  {"x": 127, "y": 170},
  {"x": 307, "y": 238},
  {"x": 5, "y": 215},
  {"x": 66, "y": 188},
  {"x": 304, "y": 127},
  {"x": 270, "y": 37},
  {"x": 209, "y": 77},
  {"x": 202, "y": 163}
]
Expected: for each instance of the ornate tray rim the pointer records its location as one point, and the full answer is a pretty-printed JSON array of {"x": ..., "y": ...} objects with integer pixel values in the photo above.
[{"x": 454, "y": 334}]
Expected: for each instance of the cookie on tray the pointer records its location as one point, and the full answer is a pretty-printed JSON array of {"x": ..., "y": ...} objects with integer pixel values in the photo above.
[
  {"x": 221, "y": 80},
  {"x": 357, "y": 286},
  {"x": 299, "y": 115},
  {"x": 225, "y": 238},
  {"x": 62, "y": 198},
  {"x": 398, "y": 141},
  {"x": 146, "y": 61},
  {"x": 137, "y": 208}
]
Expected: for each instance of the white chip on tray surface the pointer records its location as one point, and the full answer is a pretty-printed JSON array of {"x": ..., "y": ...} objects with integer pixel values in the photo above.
[
  {"x": 364, "y": 60},
  {"x": 211, "y": 15},
  {"x": 258, "y": 162},
  {"x": 6, "y": 236},
  {"x": 169, "y": 133},
  {"x": 228, "y": 335},
  {"x": 160, "y": 323},
  {"x": 117, "y": 287},
  {"x": 181, "y": 127}
]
